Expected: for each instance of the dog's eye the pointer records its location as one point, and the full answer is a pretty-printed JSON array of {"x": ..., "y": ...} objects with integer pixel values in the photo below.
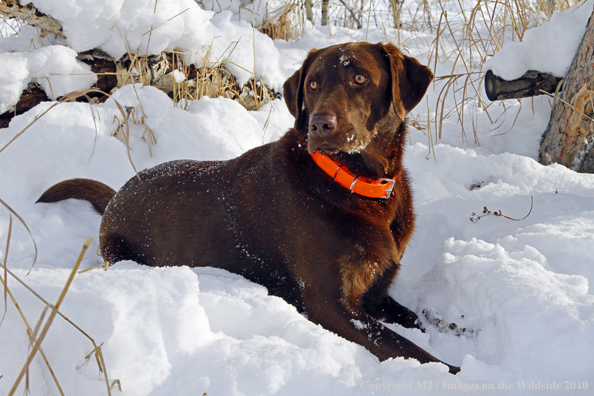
[
  {"x": 313, "y": 85},
  {"x": 360, "y": 79}
]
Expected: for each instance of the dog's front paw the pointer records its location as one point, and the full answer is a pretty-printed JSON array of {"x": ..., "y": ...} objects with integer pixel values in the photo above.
[{"x": 445, "y": 327}]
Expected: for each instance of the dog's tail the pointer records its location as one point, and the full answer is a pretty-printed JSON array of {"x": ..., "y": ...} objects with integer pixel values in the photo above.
[{"x": 97, "y": 193}]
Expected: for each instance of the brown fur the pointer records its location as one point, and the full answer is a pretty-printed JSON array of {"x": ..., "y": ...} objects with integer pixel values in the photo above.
[
  {"x": 273, "y": 216},
  {"x": 97, "y": 193}
]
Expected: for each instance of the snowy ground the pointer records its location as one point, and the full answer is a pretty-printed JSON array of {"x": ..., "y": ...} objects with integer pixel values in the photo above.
[{"x": 522, "y": 286}]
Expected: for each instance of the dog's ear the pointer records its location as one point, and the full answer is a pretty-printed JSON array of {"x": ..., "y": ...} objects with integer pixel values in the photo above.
[
  {"x": 293, "y": 91},
  {"x": 410, "y": 79}
]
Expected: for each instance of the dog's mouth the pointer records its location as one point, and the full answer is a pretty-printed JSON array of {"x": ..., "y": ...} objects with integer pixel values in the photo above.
[
  {"x": 325, "y": 145},
  {"x": 351, "y": 142},
  {"x": 324, "y": 150},
  {"x": 313, "y": 145}
]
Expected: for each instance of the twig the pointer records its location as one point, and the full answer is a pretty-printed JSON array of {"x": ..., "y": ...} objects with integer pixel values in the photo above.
[{"x": 486, "y": 212}]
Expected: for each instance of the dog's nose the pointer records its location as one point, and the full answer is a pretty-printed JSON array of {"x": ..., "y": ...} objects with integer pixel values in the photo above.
[{"x": 322, "y": 124}]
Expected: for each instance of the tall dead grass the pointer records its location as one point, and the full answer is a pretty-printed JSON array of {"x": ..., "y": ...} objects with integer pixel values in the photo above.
[
  {"x": 285, "y": 23},
  {"x": 467, "y": 43},
  {"x": 37, "y": 334},
  {"x": 465, "y": 37}
]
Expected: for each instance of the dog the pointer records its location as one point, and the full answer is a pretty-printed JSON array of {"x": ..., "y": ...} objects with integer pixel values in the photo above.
[{"x": 320, "y": 217}]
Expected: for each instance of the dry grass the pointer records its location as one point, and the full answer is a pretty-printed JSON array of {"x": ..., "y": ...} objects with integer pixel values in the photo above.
[
  {"x": 170, "y": 73},
  {"x": 10, "y": 26},
  {"x": 136, "y": 69},
  {"x": 467, "y": 44},
  {"x": 285, "y": 23},
  {"x": 213, "y": 79},
  {"x": 37, "y": 335}
]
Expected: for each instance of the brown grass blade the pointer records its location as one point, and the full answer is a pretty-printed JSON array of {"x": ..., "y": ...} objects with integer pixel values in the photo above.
[
  {"x": 30, "y": 332},
  {"x": 26, "y": 227},
  {"x": 48, "y": 323}
]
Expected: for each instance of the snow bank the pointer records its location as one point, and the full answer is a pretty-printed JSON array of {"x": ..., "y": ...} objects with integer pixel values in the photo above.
[
  {"x": 549, "y": 48},
  {"x": 54, "y": 67},
  {"x": 149, "y": 27},
  {"x": 135, "y": 26},
  {"x": 143, "y": 26},
  {"x": 508, "y": 288},
  {"x": 256, "y": 12}
]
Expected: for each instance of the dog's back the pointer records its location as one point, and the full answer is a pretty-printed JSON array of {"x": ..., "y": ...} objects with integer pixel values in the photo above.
[
  {"x": 172, "y": 214},
  {"x": 199, "y": 213}
]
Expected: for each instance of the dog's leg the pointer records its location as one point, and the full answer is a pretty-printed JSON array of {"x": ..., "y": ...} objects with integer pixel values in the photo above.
[
  {"x": 363, "y": 329},
  {"x": 377, "y": 303},
  {"x": 390, "y": 311}
]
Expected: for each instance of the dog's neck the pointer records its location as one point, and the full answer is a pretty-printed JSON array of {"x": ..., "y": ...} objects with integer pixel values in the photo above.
[{"x": 382, "y": 158}]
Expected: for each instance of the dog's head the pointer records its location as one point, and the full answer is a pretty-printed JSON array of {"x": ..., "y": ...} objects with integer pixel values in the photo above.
[{"x": 343, "y": 93}]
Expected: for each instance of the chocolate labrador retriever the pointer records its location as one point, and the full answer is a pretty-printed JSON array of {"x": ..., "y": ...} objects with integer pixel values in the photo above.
[{"x": 320, "y": 217}]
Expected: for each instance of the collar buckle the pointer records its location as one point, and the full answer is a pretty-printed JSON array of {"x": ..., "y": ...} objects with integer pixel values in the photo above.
[{"x": 390, "y": 188}]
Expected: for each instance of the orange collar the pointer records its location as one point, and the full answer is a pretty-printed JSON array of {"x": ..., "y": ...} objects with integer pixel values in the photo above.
[{"x": 381, "y": 188}]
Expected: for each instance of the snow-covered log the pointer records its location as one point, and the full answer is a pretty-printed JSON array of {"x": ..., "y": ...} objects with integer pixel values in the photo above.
[
  {"x": 29, "y": 14},
  {"x": 31, "y": 97},
  {"x": 532, "y": 83}
]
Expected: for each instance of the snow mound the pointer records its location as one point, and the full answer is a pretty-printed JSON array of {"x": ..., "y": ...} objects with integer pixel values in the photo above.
[
  {"x": 549, "y": 48},
  {"x": 54, "y": 67}
]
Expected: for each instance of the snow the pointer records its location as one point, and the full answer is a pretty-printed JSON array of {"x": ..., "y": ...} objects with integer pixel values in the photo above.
[
  {"x": 138, "y": 27},
  {"x": 256, "y": 12},
  {"x": 54, "y": 67},
  {"x": 549, "y": 48},
  {"x": 116, "y": 26},
  {"x": 521, "y": 286}
]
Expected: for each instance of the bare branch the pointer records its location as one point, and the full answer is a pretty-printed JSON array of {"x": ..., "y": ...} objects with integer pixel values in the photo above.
[{"x": 29, "y": 14}]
